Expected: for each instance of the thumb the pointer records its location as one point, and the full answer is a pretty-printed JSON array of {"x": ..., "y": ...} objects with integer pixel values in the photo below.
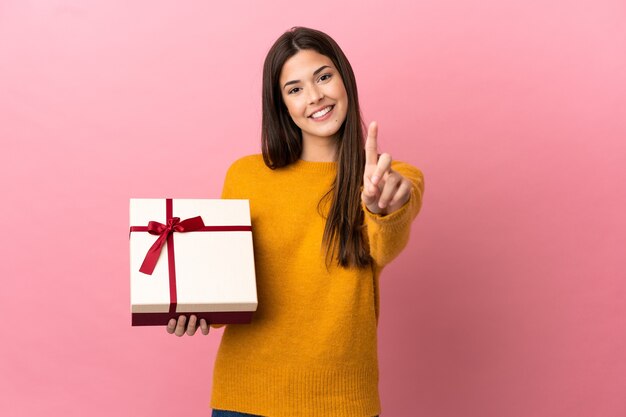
[{"x": 369, "y": 194}]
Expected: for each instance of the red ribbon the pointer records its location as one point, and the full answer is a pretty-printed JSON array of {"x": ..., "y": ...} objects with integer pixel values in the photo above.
[{"x": 165, "y": 231}]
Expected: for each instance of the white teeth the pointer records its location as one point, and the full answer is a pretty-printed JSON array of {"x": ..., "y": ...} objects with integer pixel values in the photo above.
[{"x": 321, "y": 112}]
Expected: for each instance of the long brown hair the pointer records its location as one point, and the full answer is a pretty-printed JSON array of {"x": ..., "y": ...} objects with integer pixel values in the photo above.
[{"x": 281, "y": 142}]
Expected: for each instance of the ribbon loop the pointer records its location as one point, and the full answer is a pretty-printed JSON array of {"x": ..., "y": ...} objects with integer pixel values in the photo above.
[{"x": 173, "y": 225}]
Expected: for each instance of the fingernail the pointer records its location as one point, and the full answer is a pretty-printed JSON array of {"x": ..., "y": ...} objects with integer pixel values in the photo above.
[{"x": 374, "y": 179}]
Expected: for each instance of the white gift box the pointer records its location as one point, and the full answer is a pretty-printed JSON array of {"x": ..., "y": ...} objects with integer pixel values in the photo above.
[{"x": 211, "y": 273}]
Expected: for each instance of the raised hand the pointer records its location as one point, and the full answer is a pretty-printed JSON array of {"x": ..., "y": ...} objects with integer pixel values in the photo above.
[
  {"x": 384, "y": 190},
  {"x": 178, "y": 327}
]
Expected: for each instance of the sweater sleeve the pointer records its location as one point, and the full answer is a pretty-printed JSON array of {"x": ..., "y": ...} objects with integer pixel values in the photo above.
[
  {"x": 228, "y": 187},
  {"x": 389, "y": 234}
]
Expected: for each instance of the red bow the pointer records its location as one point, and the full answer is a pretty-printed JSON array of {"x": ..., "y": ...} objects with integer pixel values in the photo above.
[{"x": 163, "y": 231}]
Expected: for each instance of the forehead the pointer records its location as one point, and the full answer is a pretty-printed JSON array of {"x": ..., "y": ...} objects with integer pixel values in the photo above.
[{"x": 303, "y": 64}]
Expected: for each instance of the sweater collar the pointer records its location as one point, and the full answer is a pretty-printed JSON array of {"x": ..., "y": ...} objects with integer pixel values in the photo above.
[{"x": 313, "y": 167}]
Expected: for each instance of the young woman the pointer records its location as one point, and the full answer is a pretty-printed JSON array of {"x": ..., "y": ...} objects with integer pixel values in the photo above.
[{"x": 328, "y": 213}]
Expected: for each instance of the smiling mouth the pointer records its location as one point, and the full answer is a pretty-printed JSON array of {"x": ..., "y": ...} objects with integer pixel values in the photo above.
[{"x": 322, "y": 112}]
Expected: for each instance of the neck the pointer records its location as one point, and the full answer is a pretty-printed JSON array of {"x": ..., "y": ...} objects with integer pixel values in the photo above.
[{"x": 316, "y": 149}]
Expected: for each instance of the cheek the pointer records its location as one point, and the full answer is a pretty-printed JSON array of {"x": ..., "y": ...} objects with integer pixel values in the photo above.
[
  {"x": 343, "y": 98},
  {"x": 293, "y": 108},
  {"x": 286, "y": 105},
  {"x": 341, "y": 117}
]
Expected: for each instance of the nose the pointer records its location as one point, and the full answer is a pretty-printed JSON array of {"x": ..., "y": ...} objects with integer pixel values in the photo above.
[{"x": 315, "y": 94}]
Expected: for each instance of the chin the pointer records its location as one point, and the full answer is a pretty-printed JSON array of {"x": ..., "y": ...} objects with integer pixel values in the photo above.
[{"x": 329, "y": 131}]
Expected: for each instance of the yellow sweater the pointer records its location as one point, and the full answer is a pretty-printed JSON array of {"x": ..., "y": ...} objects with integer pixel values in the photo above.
[{"x": 311, "y": 349}]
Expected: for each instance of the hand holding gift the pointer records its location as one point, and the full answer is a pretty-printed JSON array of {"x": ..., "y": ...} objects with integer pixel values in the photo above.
[
  {"x": 178, "y": 327},
  {"x": 192, "y": 258}
]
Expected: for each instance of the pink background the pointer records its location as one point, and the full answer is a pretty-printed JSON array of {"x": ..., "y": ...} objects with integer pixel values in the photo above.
[{"x": 510, "y": 299}]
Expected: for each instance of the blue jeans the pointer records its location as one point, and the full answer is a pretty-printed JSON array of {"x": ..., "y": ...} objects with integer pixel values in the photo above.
[{"x": 224, "y": 413}]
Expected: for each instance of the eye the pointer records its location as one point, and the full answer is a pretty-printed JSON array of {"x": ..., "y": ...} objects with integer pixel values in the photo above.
[
  {"x": 325, "y": 77},
  {"x": 293, "y": 90}
]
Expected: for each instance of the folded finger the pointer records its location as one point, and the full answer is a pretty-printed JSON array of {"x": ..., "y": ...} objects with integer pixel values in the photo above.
[
  {"x": 370, "y": 192},
  {"x": 171, "y": 326},
  {"x": 204, "y": 326},
  {"x": 391, "y": 186},
  {"x": 383, "y": 166},
  {"x": 402, "y": 195},
  {"x": 191, "y": 327},
  {"x": 180, "y": 326}
]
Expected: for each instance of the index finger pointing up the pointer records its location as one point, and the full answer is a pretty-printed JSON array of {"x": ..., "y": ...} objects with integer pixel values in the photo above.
[{"x": 371, "y": 145}]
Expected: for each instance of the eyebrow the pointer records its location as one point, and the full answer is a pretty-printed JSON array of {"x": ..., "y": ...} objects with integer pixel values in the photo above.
[{"x": 317, "y": 71}]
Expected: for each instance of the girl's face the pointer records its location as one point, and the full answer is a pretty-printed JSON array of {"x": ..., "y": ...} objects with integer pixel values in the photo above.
[{"x": 314, "y": 94}]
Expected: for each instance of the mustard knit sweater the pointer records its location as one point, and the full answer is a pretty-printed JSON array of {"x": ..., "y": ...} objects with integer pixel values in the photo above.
[{"x": 311, "y": 349}]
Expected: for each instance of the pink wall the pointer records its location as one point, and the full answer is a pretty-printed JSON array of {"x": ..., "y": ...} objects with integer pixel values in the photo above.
[{"x": 509, "y": 300}]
